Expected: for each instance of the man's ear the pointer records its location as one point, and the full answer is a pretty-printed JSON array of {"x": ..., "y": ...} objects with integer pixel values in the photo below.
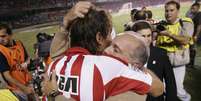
[{"x": 99, "y": 38}]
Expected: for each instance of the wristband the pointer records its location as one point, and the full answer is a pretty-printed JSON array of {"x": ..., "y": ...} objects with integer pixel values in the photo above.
[{"x": 55, "y": 93}]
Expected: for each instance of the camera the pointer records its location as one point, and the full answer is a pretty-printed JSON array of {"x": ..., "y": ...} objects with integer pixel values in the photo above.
[
  {"x": 160, "y": 26},
  {"x": 43, "y": 44},
  {"x": 37, "y": 68}
]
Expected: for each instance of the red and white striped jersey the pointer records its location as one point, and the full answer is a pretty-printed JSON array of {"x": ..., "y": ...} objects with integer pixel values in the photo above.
[{"x": 87, "y": 77}]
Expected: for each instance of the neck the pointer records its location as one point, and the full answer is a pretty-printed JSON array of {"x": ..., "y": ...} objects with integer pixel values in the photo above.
[{"x": 174, "y": 21}]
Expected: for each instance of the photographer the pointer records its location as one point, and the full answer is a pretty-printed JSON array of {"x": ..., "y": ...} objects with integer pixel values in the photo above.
[
  {"x": 175, "y": 38},
  {"x": 13, "y": 63},
  {"x": 40, "y": 63},
  {"x": 42, "y": 48}
]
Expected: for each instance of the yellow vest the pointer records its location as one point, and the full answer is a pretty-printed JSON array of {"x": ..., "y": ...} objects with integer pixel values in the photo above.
[
  {"x": 6, "y": 95},
  {"x": 168, "y": 43}
]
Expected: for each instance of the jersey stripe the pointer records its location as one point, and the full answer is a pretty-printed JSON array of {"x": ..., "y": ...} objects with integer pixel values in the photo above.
[
  {"x": 98, "y": 87},
  {"x": 86, "y": 81},
  {"x": 105, "y": 64},
  {"x": 59, "y": 68},
  {"x": 139, "y": 75},
  {"x": 65, "y": 63},
  {"x": 76, "y": 71},
  {"x": 52, "y": 67},
  {"x": 125, "y": 84}
]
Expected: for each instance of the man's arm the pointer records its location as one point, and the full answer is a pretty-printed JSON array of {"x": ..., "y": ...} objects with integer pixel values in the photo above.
[
  {"x": 157, "y": 87},
  {"x": 61, "y": 40},
  {"x": 63, "y": 98},
  {"x": 184, "y": 36},
  {"x": 197, "y": 32},
  {"x": 59, "y": 45},
  {"x": 49, "y": 85},
  {"x": 181, "y": 39},
  {"x": 140, "y": 82},
  {"x": 4, "y": 69},
  {"x": 11, "y": 80}
]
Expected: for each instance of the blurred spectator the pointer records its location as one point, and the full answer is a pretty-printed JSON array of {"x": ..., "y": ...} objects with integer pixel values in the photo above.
[
  {"x": 130, "y": 23},
  {"x": 197, "y": 22},
  {"x": 140, "y": 15},
  {"x": 149, "y": 17},
  {"x": 195, "y": 15},
  {"x": 132, "y": 14}
]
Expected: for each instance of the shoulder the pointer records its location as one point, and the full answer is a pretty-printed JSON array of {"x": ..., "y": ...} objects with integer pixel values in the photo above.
[
  {"x": 107, "y": 60},
  {"x": 198, "y": 14},
  {"x": 197, "y": 17},
  {"x": 186, "y": 22},
  {"x": 186, "y": 19},
  {"x": 113, "y": 67},
  {"x": 158, "y": 50},
  {"x": 18, "y": 42},
  {"x": 1, "y": 56}
]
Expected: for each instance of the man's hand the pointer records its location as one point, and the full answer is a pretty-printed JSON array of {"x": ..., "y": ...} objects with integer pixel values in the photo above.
[
  {"x": 195, "y": 38},
  {"x": 24, "y": 66},
  {"x": 78, "y": 11},
  {"x": 165, "y": 33},
  {"x": 48, "y": 85}
]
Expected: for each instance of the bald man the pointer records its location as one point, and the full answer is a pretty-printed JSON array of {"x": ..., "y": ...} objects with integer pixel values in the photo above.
[
  {"x": 133, "y": 50},
  {"x": 130, "y": 48}
]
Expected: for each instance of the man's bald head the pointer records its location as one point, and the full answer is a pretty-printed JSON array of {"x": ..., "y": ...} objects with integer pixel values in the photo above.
[{"x": 129, "y": 46}]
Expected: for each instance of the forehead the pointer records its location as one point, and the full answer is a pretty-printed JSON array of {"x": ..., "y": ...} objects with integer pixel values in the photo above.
[
  {"x": 171, "y": 6},
  {"x": 194, "y": 7},
  {"x": 145, "y": 31},
  {"x": 124, "y": 42}
]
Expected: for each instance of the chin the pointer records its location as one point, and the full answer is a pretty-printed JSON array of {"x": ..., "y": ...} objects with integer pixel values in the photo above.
[{"x": 168, "y": 19}]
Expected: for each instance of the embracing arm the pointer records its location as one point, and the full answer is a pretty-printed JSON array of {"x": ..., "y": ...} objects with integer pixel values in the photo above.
[
  {"x": 61, "y": 40},
  {"x": 157, "y": 87},
  {"x": 170, "y": 83}
]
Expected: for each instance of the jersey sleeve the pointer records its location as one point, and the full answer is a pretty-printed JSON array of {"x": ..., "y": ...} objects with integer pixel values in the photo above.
[
  {"x": 119, "y": 78},
  {"x": 131, "y": 80}
]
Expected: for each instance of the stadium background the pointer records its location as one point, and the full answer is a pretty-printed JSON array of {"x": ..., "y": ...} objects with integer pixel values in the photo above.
[{"x": 29, "y": 17}]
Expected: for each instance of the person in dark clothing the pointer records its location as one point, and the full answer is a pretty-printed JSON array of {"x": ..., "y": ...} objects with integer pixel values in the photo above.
[
  {"x": 159, "y": 63},
  {"x": 197, "y": 28},
  {"x": 195, "y": 15}
]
